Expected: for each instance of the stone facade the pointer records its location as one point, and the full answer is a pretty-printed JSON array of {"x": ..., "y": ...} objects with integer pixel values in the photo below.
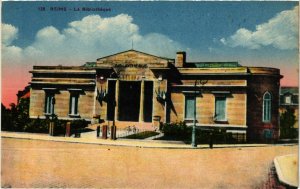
[
  {"x": 61, "y": 81},
  {"x": 136, "y": 88}
]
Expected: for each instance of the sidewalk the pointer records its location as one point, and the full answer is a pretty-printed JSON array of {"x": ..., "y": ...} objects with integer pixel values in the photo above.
[
  {"x": 121, "y": 142},
  {"x": 287, "y": 169}
]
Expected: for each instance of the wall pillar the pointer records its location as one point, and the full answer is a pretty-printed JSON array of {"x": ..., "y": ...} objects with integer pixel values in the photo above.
[
  {"x": 117, "y": 100},
  {"x": 159, "y": 107},
  {"x": 141, "y": 114}
]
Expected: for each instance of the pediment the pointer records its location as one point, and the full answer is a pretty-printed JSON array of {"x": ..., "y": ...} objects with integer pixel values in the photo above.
[{"x": 132, "y": 57}]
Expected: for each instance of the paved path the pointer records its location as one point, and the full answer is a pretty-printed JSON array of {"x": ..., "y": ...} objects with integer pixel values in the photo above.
[
  {"x": 156, "y": 136},
  {"x": 48, "y": 164},
  {"x": 89, "y": 139}
]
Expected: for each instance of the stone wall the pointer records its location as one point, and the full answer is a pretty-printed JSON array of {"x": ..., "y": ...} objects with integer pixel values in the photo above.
[
  {"x": 37, "y": 103},
  {"x": 86, "y": 105},
  {"x": 177, "y": 107},
  {"x": 62, "y": 103},
  {"x": 205, "y": 104},
  {"x": 159, "y": 107}
]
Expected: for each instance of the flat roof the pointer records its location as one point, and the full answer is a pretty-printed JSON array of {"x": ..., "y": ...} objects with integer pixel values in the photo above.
[{"x": 212, "y": 64}]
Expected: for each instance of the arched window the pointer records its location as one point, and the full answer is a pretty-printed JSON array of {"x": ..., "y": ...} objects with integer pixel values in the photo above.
[{"x": 267, "y": 107}]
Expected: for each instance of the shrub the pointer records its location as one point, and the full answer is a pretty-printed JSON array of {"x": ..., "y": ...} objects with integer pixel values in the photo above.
[
  {"x": 79, "y": 124},
  {"x": 287, "y": 121},
  {"x": 6, "y": 119},
  {"x": 176, "y": 131},
  {"x": 180, "y": 131},
  {"x": 17, "y": 119},
  {"x": 37, "y": 126}
]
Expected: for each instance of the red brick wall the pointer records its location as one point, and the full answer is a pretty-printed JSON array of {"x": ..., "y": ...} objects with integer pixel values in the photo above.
[{"x": 257, "y": 86}]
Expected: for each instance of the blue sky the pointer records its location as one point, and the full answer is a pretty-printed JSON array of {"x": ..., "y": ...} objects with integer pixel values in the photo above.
[
  {"x": 253, "y": 33},
  {"x": 193, "y": 23}
]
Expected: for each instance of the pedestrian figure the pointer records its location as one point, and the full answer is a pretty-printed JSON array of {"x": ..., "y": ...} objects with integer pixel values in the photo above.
[
  {"x": 211, "y": 140},
  {"x": 134, "y": 129},
  {"x": 129, "y": 129}
]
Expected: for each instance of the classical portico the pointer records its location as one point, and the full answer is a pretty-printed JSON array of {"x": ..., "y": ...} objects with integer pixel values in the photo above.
[
  {"x": 134, "y": 81},
  {"x": 134, "y": 100}
]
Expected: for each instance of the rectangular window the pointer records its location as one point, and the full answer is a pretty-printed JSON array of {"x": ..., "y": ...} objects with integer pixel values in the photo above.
[
  {"x": 288, "y": 99},
  {"x": 189, "y": 107},
  {"x": 49, "y": 103},
  {"x": 73, "y": 104},
  {"x": 220, "y": 109}
]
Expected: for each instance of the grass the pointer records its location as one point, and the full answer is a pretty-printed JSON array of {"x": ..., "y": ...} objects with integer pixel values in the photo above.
[{"x": 142, "y": 135}]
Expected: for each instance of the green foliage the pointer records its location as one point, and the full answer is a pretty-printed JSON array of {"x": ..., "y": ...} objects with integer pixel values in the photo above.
[
  {"x": 6, "y": 118},
  {"x": 142, "y": 135},
  {"x": 37, "y": 126},
  {"x": 287, "y": 121},
  {"x": 22, "y": 116},
  {"x": 176, "y": 131},
  {"x": 17, "y": 119},
  {"x": 13, "y": 119},
  {"x": 79, "y": 124},
  {"x": 60, "y": 126},
  {"x": 180, "y": 131},
  {"x": 219, "y": 136}
]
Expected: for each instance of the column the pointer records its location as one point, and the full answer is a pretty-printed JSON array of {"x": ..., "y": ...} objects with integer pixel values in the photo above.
[
  {"x": 141, "y": 114},
  {"x": 155, "y": 103},
  {"x": 117, "y": 100}
]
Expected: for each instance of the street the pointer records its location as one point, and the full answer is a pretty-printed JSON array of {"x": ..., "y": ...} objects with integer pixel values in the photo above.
[{"x": 35, "y": 163}]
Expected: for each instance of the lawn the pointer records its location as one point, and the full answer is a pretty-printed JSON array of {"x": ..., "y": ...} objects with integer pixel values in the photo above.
[{"x": 142, "y": 135}]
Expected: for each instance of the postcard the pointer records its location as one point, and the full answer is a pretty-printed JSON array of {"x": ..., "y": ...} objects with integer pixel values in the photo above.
[{"x": 129, "y": 94}]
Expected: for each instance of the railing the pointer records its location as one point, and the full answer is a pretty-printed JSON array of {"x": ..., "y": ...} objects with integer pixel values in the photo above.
[
  {"x": 130, "y": 130},
  {"x": 121, "y": 133}
]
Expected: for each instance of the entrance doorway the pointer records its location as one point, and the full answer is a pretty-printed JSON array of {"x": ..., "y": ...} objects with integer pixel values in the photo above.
[
  {"x": 129, "y": 100},
  {"x": 111, "y": 103}
]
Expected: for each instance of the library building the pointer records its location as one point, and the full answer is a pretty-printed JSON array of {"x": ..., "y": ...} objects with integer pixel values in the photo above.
[{"x": 144, "y": 90}]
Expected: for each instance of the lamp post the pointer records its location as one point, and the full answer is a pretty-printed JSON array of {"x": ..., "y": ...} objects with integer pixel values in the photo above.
[
  {"x": 52, "y": 117},
  {"x": 116, "y": 99},
  {"x": 115, "y": 75},
  {"x": 202, "y": 82}
]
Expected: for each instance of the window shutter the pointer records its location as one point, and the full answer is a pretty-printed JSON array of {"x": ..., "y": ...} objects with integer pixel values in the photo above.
[
  {"x": 220, "y": 109},
  {"x": 189, "y": 107}
]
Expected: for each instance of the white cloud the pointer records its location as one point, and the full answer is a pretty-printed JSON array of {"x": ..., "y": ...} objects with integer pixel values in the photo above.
[
  {"x": 9, "y": 33},
  {"x": 92, "y": 37},
  {"x": 158, "y": 44},
  {"x": 280, "y": 32},
  {"x": 49, "y": 34},
  {"x": 10, "y": 53},
  {"x": 80, "y": 41}
]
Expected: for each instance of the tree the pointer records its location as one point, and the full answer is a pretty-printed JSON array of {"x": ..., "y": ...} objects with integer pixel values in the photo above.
[
  {"x": 15, "y": 118},
  {"x": 287, "y": 121},
  {"x": 22, "y": 113},
  {"x": 6, "y": 118}
]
